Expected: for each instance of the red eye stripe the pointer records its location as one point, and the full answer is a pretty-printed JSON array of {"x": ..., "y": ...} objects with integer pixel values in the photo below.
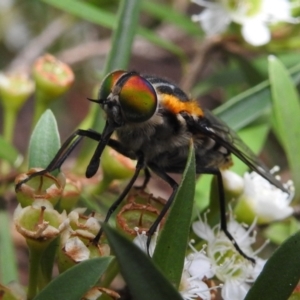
[{"x": 108, "y": 83}]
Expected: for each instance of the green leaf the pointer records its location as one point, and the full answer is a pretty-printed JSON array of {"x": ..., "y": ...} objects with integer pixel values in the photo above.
[
  {"x": 107, "y": 19},
  {"x": 76, "y": 281},
  {"x": 231, "y": 73},
  {"x": 280, "y": 274},
  {"x": 144, "y": 280},
  {"x": 286, "y": 112},
  {"x": 123, "y": 36},
  {"x": 171, "y": 247},
  {"x": 254, "y": 137},
  {"x": 280, "y": 231},
  {"x": 167, "y": 14},
  {"x": 250, "y": 105},
  {"x": 9, "y": 153},
  {"x": 44, "y": 142}
]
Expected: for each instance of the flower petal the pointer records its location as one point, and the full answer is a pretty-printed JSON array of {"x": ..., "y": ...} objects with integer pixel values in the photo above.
[
  {"x": 256, "y": 33},
  {"x": 213, "y": 20},
  {"x": 234, "y": 289}
]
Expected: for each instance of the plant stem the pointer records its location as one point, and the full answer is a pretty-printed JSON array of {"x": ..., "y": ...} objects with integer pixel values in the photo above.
[
  {"x": 41, "y": 104},
  {"x": 9, "y": 124},
  {"x": 34, "y": 267}
]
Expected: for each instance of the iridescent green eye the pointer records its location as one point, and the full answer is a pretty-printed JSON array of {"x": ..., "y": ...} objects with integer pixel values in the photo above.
[
  {"x": 138, "y": 99},
  {"x": 108, "y": 83}
]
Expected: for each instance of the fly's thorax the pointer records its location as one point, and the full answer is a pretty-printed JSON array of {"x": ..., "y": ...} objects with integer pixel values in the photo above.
[{"x": 163, "y": 133}]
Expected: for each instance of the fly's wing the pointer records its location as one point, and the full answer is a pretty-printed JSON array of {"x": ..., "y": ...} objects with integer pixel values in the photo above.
[{"x": 223, "y": 135}]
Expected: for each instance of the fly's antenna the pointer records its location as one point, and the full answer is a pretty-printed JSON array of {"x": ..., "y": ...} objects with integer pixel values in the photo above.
[{"x": 99, "y": 101}]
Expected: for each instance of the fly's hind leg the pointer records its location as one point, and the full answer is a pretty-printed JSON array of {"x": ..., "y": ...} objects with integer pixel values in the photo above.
[{"x": 222, "y": 205}]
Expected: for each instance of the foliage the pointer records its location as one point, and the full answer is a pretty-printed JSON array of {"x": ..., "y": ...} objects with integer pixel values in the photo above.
[{"x": 60, "y": 213}]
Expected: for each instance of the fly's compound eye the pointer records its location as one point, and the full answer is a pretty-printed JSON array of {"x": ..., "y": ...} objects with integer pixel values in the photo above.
[
  {"x": 108, "y": 82},
  {"x": 138, "y": 99}
]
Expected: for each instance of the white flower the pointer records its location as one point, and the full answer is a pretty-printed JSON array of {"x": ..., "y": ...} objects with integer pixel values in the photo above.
[
  {"x": 263, "y": 200},
  {"x": 222, "y": 260},
  {"x": 196, "y": 269},
  {"x": 253, "y": 16},
  {"x": 193, "y": 287},
  {"x": 232, "y": 182},
  {"x": 141, "y": 241}
]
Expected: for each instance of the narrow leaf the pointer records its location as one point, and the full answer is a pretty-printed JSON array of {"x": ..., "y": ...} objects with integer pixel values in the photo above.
[
  {"x": 171, "y": 247},
  {"x": 107, "y": 19},
  {"x": 44, "y": 142},
  {"x": 76, "y": 281},
  {"x": 144, "y": 280},
  {"x": 281, "y": 273},
  {"x": 248, "y": 106},
  {"x": 286, "y": 112},
  {"x": 123, "y": 36},
  {"x": 167, "y": 14}
]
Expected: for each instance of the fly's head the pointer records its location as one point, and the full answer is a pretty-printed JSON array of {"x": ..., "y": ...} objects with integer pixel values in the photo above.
[{"x": 127, "y": 97}]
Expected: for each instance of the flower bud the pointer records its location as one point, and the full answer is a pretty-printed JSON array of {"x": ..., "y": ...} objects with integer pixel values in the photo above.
[
  {"x": 39, "y": 223},
  {"x": 139, "y": 196},
  {"x": 40, "y": 187},
  {"x": 141, "y": 210},
  {"x": 115, "y": 165},
  {"x": 136, "y": 215},
  {"x": 70, "y": 195},
  {"x": 76, "y": 243},
  {"x": 52, "y": 77},
  {"x": 15, "y": 90}
]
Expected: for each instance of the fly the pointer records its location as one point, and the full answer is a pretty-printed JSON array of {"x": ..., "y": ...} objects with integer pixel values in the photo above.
[{"x": 154, "y": 121}]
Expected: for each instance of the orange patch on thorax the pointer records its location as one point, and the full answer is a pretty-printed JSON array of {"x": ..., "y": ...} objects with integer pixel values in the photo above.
[{"x": 174, "y": 105}]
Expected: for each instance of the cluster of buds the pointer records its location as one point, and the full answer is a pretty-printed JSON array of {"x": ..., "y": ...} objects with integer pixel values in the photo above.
[
  {"x": 35, "y": 217},
  {"x": 76, "y": 243},
  {"x": 52, "y": 78},
  {"x": 40, "y": 218},
  {"x": 37, "y": 220}
]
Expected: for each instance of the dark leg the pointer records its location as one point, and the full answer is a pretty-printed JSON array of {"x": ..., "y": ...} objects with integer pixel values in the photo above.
[
  {"x": 223, "y": 221},
  {"x": 222, "y": 204},
  {"x": 68, "y": 146},
  {"x": 114, "y": 206},
  {"x": 146, "y": 180},
  {"x": 163, "y": 175}
]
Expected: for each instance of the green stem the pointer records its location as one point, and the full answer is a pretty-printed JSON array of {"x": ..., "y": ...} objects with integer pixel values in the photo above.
[
  {"x": 111, "y": 272},
  {"x": 41, "y": 104},
  {"x": 8, "y": 263},
  {"x": 9, "y": 123},
  {"x": 103, "y": 185},
  {"x": 34, "y": 268}
]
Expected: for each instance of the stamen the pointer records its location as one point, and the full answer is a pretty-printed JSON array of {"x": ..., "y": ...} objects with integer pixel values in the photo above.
[{"x": 261, "y": 247}]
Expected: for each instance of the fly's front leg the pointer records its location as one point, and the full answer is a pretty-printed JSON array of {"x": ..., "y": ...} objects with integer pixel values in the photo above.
[
  {"x": 174, "y": 185},
  {"x": 66, "y": 149}
]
